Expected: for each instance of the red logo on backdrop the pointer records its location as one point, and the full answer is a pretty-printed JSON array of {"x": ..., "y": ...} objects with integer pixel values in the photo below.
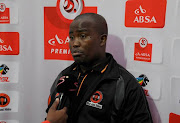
[
  {"x": 2, "y": 122},
  {"x": 143, "y": 50},
  {"x": 4, "y": 14},
  {"x": 174, "y": 118},
  {"x": 4, "y": 100},
  {"x": 145, "y": 13},
  {"x": 9, "y": 43},
  {"x": 69, "y": 9},
  {"x": 56, "y": 27}
]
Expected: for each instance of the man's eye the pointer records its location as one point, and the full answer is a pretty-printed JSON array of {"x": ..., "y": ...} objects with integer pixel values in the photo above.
[
  {"x": 83, "y": 36},
  {"x": 71, "y": 37}
]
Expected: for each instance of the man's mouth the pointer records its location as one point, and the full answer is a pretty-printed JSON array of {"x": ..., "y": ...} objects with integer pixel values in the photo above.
[{"x": 76, "y": 53}]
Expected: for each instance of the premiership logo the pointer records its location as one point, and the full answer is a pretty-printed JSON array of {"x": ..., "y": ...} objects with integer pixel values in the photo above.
[
  {"x": 143, "y": 50},
  {"x": 69, "y": 9},
  {"x": 2, "y": 7},
  {"x": 143, "y": 42}
]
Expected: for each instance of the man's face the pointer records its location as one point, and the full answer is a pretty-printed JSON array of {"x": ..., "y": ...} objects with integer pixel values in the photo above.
[{"x": 84, "y": 41}]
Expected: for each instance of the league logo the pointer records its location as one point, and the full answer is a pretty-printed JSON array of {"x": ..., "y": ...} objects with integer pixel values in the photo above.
[
  {"x": 2, "y": 7},
  {"x": 3, "y": 69},
  {"x": 69, "y": 9},
  {"x": 142, "y": 80}
]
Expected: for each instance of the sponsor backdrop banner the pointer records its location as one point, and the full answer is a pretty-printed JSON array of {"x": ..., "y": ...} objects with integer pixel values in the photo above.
[{"x": 144, "y": 37}]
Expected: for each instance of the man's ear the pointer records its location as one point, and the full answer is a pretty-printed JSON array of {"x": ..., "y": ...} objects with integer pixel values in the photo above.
[{"x": 103, "y": 39}]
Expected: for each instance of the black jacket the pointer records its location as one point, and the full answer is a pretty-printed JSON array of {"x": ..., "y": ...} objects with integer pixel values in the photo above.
[{"x": 109, "y": 94}]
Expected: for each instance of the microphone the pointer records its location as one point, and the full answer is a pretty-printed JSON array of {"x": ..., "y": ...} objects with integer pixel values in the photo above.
[{"x": 67, "y": 85}]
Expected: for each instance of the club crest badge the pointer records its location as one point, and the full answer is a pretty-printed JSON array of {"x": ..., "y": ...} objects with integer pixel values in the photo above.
[{"x": 95, "y": 99}]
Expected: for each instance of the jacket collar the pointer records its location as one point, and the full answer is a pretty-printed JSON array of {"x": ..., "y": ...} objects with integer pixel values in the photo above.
[{"x": 111, "y": 72}]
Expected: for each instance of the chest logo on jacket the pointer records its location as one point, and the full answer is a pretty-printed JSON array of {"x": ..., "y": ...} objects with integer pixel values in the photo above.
[{"x": 95, "y": 99}]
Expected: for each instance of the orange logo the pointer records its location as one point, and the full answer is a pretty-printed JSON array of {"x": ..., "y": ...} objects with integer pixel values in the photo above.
[
  {"x": 56, "y": 27},
  {"x": 143, "y": 50},
  {"x": 96, "y": 97},
  {"x": 49, "y": 99},
  {"x": 147, "y": 14},
  {"x": 4, "y": 100},
  {"x": 9, "y": 43}
]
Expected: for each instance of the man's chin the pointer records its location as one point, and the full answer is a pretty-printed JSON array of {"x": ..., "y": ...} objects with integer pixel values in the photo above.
[{"x": 78, "y": 60}]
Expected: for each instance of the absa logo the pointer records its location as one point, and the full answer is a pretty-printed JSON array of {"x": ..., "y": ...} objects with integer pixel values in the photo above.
[
  {"x": 69, "y": 9},
  {"x": 5, "y": 47},
  {"x": 57, "y": 41},
  {"x": 143, "y": 19},
  {"x": 9, "y": 43},
  {"x": 145, "y": 13}
]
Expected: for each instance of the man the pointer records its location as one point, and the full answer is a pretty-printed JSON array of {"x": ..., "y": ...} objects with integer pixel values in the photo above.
[{"x": 106, "y": 92}]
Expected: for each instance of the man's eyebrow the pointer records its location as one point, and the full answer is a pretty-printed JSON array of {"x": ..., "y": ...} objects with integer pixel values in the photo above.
[
  {"x": 79, "y": 30},
  {"x": 82, "y": 30}
]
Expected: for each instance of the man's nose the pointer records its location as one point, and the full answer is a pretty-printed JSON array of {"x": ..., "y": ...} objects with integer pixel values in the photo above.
[{"x": 76, "y": 42}]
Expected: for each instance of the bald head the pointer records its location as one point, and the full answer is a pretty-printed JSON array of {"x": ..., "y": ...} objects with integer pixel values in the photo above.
[{"x": 99, "y": 21}]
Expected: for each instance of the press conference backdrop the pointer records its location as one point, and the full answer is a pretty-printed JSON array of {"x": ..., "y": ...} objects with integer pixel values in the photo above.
[{"x": 144, "y": 37}]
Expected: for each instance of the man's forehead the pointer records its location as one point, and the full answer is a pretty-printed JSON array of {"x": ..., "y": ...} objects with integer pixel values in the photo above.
[
  {"x": 82, "y": 26},
  {"x": 83, "y": 22}
]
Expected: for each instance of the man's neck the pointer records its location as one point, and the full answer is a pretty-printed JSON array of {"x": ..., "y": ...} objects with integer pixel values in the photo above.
[{"x": 86, "y": 67}]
